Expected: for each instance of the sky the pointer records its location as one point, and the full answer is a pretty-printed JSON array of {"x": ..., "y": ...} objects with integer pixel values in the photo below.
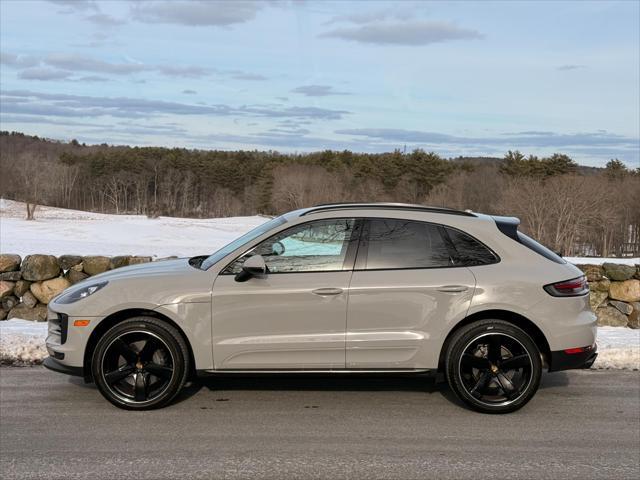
[{"x": 458, "y": 78}]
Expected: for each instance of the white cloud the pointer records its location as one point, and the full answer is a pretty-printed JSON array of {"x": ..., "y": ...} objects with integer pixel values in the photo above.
[
  {"x": 196, "y": 12},
  {"x": 415, "y": 32},
  {"x": 317, "y": 91}
]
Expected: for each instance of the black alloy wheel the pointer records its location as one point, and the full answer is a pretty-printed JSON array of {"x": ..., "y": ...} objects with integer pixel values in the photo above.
[
  {"x": 493, "y": 366},
  {"x": 140, "y": 364}
]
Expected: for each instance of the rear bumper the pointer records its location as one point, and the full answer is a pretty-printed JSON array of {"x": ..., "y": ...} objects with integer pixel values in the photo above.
[
  {"x": 56, "y": 366},
  {"x": 560, "y": 360}
]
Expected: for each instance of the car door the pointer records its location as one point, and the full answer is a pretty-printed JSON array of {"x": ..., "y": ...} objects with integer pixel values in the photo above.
[
  {"x": 295, "y": 316},
  {"x": 404, "y": 292}
]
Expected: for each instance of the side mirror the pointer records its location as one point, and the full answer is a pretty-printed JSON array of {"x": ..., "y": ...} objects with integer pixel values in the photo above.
[{"x": 253, "y": 266}]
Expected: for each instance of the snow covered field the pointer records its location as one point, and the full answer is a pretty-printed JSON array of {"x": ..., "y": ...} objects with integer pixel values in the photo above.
[
  {"x": 57, "y": 231},
  {"x": 22, "y": 343}
]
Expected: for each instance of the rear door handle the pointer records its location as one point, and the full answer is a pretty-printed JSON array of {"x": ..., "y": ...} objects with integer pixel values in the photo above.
[
  {"x": 327, "y": 291},
  {"x": 452, "y": 288}
]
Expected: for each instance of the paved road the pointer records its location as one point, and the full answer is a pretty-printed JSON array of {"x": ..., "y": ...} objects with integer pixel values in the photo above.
[{"x": 580, "y": 425}]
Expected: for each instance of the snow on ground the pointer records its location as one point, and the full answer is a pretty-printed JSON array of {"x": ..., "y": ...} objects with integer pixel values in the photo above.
[
  {"x": 58, "y": 231},
  {"x": 618, "y": 347},
  {"x": 600, "y": 260},
  {"x": 22, "y": 343}
]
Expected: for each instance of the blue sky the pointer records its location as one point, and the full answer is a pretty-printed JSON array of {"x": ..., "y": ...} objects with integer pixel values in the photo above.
[{"x": 457, "y": 78}]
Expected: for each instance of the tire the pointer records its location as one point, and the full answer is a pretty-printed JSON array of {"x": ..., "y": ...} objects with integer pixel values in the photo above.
[
  {"x": 493, "y": 366},
  {"x": 140, "y": 364}
]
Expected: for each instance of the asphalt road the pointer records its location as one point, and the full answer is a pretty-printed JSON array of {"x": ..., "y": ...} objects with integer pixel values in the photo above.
[{"x": 580, "y": 425}]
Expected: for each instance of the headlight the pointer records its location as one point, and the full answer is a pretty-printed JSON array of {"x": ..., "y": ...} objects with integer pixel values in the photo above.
[{"x": 79, "y": 294}]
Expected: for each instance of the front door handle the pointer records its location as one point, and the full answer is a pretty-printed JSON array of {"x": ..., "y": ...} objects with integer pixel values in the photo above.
[
  {"x": 452, "y": 288},
  {"x": 327, "y": 291}
]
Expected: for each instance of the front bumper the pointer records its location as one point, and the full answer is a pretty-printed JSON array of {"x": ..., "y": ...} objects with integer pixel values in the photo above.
[
  {"x": 561, "y": 360},
  {"x": 53, "y": 364}
]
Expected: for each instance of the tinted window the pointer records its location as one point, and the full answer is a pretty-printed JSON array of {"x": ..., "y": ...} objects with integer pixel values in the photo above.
[
  {"x": 312, "y": 247},
  {"x": 539, "y": 248},
  {"x": 469, "y": 251},
  {"x": 405, "y": 244}
]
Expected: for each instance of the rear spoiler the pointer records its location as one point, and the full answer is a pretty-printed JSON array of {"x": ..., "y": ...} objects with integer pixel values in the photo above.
[{"x": 508, "y": 226}]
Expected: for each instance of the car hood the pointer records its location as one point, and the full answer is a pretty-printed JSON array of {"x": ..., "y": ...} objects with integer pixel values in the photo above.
[
  {"x": 151, "y": 269},
  {"x": 147, "y": 285}
]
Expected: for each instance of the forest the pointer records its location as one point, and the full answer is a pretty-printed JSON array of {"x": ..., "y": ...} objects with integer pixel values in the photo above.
[{"x": 573, "y": 209}]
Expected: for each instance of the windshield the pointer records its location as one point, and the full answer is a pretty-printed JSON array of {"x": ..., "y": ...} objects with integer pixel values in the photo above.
[{"x": 238, "y": 242}]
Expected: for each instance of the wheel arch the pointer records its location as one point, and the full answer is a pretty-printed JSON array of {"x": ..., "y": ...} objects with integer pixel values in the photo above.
[
  {"x": 120, "y": 316},
  {"x": 508, "y": 316}
]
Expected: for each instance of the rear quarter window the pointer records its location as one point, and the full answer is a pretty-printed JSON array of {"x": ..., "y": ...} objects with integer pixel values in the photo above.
[
  {"x": 469, "y": 251},
  {"x": 539, "y": 248}
]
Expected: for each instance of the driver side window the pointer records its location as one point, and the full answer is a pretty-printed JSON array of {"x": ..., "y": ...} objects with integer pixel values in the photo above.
[{"x": 312, "y": 247}]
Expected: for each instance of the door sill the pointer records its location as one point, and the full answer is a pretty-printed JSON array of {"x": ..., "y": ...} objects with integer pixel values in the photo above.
[{"x": 201, "y": 373}]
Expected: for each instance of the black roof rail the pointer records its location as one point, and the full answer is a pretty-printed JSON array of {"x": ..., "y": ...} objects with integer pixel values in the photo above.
[{"x": 385, "y": 206}]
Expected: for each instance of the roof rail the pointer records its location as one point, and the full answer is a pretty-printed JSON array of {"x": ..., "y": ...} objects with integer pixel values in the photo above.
[{"x": 385, "y": 206}]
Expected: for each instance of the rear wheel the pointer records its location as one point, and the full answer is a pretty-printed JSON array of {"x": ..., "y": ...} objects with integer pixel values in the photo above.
[
  {"x": 140, "y": 364},
  {"x": 493, "y": 366}
]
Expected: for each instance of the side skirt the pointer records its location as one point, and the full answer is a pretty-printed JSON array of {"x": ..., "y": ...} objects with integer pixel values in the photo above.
[{"x": 205, "y": 373}]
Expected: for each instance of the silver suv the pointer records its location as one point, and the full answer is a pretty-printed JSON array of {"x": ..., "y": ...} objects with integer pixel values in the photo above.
[{"x": 355, "y": 288}]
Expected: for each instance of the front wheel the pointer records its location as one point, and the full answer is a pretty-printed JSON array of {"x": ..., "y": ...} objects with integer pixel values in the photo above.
[
  {"x": 140, "y": 364},
  {"x": 493, "y": 366}
]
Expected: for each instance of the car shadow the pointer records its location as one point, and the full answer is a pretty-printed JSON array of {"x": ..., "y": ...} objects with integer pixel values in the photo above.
[
  {"x": 335, "y": 382},
  {"x": 316, "y": 382},
  {"x": 340, "y": 382}
]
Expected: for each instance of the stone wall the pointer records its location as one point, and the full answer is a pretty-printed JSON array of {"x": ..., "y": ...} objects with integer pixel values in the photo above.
[
  {"x": 27, "y": 285},
  {"x": 615, "y": 293}
]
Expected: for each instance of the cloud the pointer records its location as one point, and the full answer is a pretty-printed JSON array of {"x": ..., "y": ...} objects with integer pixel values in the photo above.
[
  {"x": 288, "y": 131},
  {"x": 570, "y": 67},
  {"x": 81, "y": 63},
  {"x": 185, "y": 72},
  {"x": 414, "y": 32},
  {"x": 66, "y": 105},
  {"x": 369, "y": 17},
  {"x": 17, "y": 60},
  {"x": 105, "y": 20},
  {"x": 530, "y": 133},
  {"x": 75, "y": 63},
  {"x": 44, "y": 73},
  {"x": 47, "y": 121},
  {"x": 86, "y": 64},
  {"x": 189, "y": 92},
  {"x": 248, "y": 76},
  {"x": 196, "y": 12},
  {"x": 76, "y": 5},
  {"x": 93, "y": 78},
  {"x": 517, "y": 140},
  {"x": 317, "y": 91}
]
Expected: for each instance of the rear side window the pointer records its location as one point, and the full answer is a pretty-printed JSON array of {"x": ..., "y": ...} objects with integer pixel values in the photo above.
[
  {"x": 394, "y": 244},
  {"x": 469, "y": 251},
  {"x": 539, "y": 248}
]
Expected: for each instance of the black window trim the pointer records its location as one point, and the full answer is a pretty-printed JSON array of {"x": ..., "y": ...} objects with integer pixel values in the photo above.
[
  {"x": 363, "y": 247},
  {"x": 349, "y": 259}
]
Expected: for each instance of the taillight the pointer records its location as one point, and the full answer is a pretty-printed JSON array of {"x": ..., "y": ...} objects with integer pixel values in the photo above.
[{"x": 568, "y": 288}]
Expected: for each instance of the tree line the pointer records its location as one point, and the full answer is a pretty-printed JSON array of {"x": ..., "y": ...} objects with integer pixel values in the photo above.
[{"x": 570, "y": 208}]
